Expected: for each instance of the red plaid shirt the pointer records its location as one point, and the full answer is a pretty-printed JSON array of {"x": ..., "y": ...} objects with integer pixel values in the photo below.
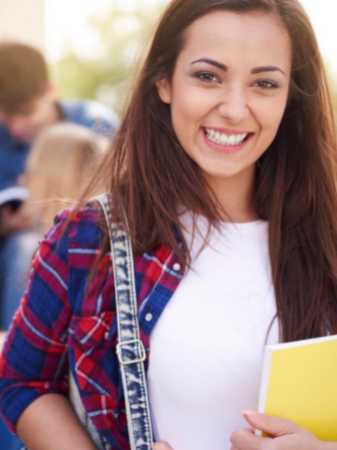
[{"x": 62, "y": 324}]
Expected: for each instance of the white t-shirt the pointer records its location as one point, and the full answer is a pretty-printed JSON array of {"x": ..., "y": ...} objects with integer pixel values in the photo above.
[{"x": 206, "y": 350}]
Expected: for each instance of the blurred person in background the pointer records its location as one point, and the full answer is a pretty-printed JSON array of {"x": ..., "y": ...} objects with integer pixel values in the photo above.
[
  {"x": 60, "y": 163},
  {"x": 62, "y": 160},
  {"x": 28, "y": 105}
]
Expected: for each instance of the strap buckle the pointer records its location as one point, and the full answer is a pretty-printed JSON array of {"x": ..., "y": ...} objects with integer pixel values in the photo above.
[{"x": 133, "y": 361}]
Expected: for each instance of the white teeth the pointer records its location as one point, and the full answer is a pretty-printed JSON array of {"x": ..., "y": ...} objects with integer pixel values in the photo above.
[
  {"x": 232, "y": 140},
  {"x": 224, "y": 139}
]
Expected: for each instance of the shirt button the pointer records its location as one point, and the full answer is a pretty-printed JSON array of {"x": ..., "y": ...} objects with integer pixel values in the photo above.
[
  {"x": 176, "y": 267},
  {"x": 148, "y": 317},
  {"x": 106, "y": 335}
]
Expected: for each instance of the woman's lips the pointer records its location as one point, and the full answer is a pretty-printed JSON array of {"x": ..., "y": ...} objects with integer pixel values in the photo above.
[{"x": 225, "y": 148}]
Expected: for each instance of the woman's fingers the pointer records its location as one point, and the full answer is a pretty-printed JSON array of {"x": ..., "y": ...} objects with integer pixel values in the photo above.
[
  {"x": 161, "y": 446},
  {"x": 274, "y": 426},
  {"x": 246, "y": 440},
  {"x": 250, "y": 430}
]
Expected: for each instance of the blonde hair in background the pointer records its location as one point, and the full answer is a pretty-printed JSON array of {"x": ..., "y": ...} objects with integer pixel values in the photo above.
[{"x": 60, "y": 164}]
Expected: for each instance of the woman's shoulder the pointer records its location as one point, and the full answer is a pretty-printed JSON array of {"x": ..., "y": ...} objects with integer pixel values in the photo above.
[
  {"x": 74, "y": 215},
  {"x": 77, "y": 226}
]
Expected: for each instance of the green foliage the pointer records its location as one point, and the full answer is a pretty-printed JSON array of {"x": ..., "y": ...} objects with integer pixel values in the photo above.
[{"x": 103, "y": 76}]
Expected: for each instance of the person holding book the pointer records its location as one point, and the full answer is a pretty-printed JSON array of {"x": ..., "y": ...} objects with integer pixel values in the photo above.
[
  {"x": 28, "y": 104},
  {"x": 223, "y": 176}
]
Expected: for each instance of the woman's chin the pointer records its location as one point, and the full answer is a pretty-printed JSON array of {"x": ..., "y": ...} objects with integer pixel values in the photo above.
[{"x": 220, "y": 173}]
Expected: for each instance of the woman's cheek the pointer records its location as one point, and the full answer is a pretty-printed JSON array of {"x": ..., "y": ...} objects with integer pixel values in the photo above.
[{"x": 187, "y": 115}]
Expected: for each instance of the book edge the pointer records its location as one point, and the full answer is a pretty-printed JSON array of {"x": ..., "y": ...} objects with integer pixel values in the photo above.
[
  {"x": 302, "y": 343},
  {"x": 266, "y": 369}
]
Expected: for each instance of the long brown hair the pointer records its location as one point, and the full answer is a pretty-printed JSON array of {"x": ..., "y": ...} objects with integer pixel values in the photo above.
[{"x": 148, "y": 173}]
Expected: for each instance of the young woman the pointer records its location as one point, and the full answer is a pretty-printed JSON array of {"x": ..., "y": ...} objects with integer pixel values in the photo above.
[{"x": 224, "y": 166}]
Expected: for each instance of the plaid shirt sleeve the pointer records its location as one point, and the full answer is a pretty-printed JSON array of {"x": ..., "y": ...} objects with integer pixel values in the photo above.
[{"x": 34, "y": 361}]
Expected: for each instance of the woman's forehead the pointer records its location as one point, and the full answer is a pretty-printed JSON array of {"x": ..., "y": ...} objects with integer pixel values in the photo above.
[{"x": 255, "y": 33}]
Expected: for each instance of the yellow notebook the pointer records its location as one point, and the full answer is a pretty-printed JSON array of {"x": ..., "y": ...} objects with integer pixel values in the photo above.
[{"x": 299, "y": 382}]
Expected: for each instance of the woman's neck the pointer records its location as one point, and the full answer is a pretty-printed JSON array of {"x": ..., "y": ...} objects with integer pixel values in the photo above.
[{"x": 236, "y": 195}]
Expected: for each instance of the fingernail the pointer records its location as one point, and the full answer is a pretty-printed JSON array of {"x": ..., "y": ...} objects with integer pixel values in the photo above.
[{"x": 250, "y": 413}]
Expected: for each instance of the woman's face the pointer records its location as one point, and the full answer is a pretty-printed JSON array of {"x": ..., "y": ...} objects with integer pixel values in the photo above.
[{"x": 229, "y": 90}]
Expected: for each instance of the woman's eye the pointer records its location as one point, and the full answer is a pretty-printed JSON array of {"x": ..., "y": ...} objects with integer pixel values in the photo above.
[
  {"x": 207, "y": 76},
  {"x": 265, "y": 84}
]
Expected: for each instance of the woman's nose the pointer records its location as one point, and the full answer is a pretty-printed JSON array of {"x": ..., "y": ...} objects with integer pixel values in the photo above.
[{"x": 233, "y": 106}]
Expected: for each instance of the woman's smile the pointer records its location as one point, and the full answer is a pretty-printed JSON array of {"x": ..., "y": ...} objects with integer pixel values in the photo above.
[{"x": 224, "y": 140}]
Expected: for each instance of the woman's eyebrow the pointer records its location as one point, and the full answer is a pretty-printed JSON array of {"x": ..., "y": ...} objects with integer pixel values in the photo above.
[
  {"x": 212, "y": 62},
  {"x": 223, "y": 67},
  {"x": 267, "y": 69}
]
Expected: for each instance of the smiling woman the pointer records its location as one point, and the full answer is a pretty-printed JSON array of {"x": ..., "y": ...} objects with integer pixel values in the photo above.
[{"x": 222, "y": 173}]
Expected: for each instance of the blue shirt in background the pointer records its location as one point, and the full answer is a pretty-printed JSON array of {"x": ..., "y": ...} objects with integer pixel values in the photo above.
[{"x": 88, "y": 113}]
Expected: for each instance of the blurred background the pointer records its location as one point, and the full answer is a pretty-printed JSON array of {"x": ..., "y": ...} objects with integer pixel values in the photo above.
[{"x": 91, "y": 45}]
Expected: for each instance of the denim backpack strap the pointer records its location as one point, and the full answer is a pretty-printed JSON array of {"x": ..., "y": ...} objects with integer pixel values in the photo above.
[{"x": 130, "y": 349}]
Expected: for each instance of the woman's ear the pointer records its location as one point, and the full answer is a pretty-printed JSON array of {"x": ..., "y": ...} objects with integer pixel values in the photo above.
[{"x": 164, "y": 90}]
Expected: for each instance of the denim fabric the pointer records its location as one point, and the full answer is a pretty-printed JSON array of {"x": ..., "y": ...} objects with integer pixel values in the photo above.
[
  {"x": 130, "y": 348},
  {"x": 92, "y": 115},
  {"x": 13, "y": 156},
  {"x": 15, "y": 257},
  {"x": 7, "y": 440}
]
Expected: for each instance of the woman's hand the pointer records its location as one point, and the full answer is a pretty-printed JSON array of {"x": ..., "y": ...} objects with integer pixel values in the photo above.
[{"x": 285, "y": 435}]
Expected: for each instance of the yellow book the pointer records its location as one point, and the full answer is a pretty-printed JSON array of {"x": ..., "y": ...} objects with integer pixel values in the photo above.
[{"x": 299, "y": 382}]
